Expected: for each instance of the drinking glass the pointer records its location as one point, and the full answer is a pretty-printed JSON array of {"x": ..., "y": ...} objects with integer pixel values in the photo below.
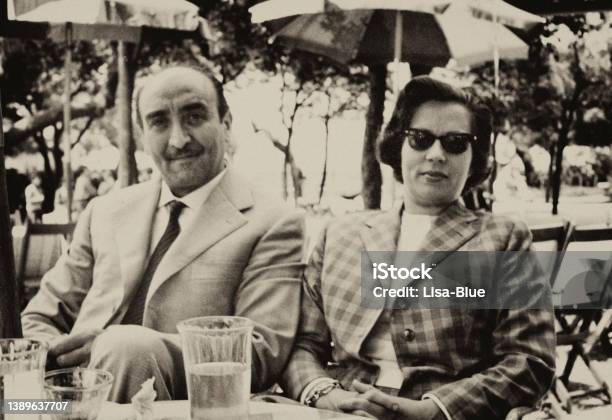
[
  {"x": 217, "y": 355},
  {"x": 22, "y": 365},
  {"x": 86, "y": 388}
]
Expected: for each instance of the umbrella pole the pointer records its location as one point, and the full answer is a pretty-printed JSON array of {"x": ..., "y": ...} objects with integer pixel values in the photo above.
[
  {"x": 397, "y": 50},
  {"x": 67, "y": 119},
  {"x": 10, "y": 323},
  {"x": 397, "y": 58},
  {"x": 495, "y": 53}
]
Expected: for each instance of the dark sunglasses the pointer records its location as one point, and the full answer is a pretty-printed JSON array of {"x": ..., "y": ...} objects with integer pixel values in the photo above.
[{"x": 453, "y": 143}]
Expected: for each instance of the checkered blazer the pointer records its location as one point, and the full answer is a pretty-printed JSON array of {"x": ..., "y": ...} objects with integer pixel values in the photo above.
[{"x": 478, "y": 363}]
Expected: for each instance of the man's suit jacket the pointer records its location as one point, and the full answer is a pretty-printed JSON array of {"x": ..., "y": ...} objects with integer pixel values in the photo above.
[
  {"x": 478, "y": 363},
  {"x": 242, "y": 256}
]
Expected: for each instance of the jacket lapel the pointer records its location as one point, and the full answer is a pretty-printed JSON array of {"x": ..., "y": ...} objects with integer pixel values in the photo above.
[
  {"x": 449, "y": 231},
  {"x": 219, "y": 216},
  {"x": 133, "y": 233},
  {"x": 379, "y": 236},
  {"x": 455, "y": 226}
]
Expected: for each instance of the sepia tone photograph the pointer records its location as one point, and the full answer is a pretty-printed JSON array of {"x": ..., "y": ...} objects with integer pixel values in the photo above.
[{"x": 306, "y": 209}]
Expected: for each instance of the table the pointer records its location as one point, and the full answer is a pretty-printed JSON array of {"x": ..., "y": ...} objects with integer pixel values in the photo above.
[{"x": 179, "y": 410}]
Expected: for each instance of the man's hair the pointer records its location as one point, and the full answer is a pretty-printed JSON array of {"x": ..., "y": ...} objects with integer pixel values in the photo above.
[
  {"x": 424, "y": 89},
  {"x": 222, "y": 106}
]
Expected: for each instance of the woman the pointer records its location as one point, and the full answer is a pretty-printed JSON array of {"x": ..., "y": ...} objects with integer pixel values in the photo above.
[{"x": 421, "y": 363}]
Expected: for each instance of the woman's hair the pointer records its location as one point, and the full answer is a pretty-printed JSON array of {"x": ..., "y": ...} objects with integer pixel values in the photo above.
[{"x": 425, "y": 89}]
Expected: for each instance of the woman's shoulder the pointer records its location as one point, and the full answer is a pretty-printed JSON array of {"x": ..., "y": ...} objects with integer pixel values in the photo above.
[
  {"x": 353, "y": 221},
  {"x": 510, "y": 229},
  {"x": 510, "y": 221}
]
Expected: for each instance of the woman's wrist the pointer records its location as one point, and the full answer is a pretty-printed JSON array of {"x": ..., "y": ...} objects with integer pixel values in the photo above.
[{"x": 430, "y": 411}]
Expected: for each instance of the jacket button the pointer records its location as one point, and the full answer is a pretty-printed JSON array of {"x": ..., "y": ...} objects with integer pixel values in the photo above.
[{"x": 409, "y": 334}]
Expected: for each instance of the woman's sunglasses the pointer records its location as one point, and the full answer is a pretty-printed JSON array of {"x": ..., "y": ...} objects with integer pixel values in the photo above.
[{"x": 453, "y": 143}]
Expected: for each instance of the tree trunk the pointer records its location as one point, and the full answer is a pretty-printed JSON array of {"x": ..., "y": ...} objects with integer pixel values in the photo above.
[
  {"x": 556, "y": 182},
  {"x": 325, "y": 159},
  {"x": 493, "y": 174},
  {"x": 562, "y": 139},
  {"x": 567, "y": 119},
  {"x": 371, "y": 174},
  {"x": 28, "y": 126},
  {"x": 58, "y": 153},
  {"x": 126, "y": 66},
  {"x": 297, "y": 177},
  {"x": 49, "y": 184},
  {"x": 10, "y": 323},
  {"x": 551, "y": 169}
]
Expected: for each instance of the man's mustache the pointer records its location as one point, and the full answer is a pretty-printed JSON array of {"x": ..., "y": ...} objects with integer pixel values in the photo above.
[{"x": 188, "y": 150}]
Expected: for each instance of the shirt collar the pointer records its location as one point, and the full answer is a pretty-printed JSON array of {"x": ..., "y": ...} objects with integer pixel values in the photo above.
[{"x": 195, "y": 198}]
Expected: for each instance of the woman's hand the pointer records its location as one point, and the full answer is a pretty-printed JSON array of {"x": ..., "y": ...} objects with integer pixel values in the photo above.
[
  {"x": 334, "y": 398},
  {"x": 382, "y": 406}
]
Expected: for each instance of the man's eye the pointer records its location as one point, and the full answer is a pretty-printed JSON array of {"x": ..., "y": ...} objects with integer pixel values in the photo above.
[
  {"x": 195, "y": 118},
  {"x": 158, "y": 122}
]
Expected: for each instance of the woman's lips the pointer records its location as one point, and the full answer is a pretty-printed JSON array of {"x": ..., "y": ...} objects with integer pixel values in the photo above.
[{"x": 434, "y": 176}]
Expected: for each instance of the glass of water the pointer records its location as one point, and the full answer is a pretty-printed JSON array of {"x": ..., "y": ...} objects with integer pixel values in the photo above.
[
  {"x": 22, "y": 366},
  {"x": 217, "y": 355},
  {"x": 85, "y": 388}
]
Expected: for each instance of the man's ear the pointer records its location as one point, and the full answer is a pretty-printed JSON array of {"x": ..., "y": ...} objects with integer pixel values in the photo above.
[
  {"x": 230, "y": 143},
  {"x": 227, "y": 121}
]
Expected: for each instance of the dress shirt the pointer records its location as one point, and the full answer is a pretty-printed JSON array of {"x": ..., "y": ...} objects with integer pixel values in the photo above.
[{"x": 193, "y": 201}]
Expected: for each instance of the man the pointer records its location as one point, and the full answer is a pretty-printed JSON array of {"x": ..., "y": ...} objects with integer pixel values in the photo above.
[{"x": 130, "y": 276}]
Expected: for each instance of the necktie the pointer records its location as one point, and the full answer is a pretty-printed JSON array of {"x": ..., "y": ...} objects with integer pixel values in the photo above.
[{"x": 135, "y": 311}]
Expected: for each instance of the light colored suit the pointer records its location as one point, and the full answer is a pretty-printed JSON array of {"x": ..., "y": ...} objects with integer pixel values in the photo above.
[
  {"x": 478, "y": 363},
  {"x": 242, "y": 256}
]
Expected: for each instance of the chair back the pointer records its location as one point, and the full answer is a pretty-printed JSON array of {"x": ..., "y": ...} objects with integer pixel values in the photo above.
[
  {"x": 40, "y": 247},
  {"x": 548, "y": 242},
  {"x": 584, "y": 272}
]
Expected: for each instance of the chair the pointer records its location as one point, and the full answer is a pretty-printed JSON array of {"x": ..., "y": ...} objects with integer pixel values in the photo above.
[
  {"x": 581, "y": 288},
  {"x": 549, "y": 242},
  {"x": 39, "y": 247}
]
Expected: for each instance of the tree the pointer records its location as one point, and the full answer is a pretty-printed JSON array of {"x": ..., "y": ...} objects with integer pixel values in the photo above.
[
  {"x": 341, "y": 93},
  {"x": 577, "y": 71},
  {"x": 560, "y": 93},
  {"x": 33, "y": 86},
  {"x": 305, "y": 81}
]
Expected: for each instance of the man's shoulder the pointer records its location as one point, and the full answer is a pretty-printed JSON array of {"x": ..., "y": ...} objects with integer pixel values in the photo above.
[
  {"x": 120, "y": 197},
  {"x": 262, "y": 201}
]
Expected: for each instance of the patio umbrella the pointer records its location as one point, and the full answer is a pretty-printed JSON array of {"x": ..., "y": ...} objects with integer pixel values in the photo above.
[
  {"x": 376, "y": 32},
  {"x": 494, "y": 10},
  {"x": 417, "y": 31},
  {"x": 121, "y": 20},
  {"x": 172, "y": 14},
  {"x": 368, "y": 36},
  {"x": 428, "y": 32}
]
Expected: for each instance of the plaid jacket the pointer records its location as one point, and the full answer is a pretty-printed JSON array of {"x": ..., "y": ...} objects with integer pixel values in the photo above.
[{"x": 478, "y": 363}]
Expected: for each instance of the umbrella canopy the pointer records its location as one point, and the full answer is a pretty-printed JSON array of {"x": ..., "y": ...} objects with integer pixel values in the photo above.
[
  {"x": 428, "y": 32},
  {"x": 430, "y": 39},
  {"x": 498, "y": 11},
  {"x": 171, "y": 14},
  {"x": 494, "y": 10},
  {"x": 121, "y": 20}
]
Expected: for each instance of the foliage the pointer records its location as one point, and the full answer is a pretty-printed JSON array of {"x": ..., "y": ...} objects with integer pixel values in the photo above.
[
  {"x": 310, "y": 87},
  {"x": 562, "y": 94}
]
